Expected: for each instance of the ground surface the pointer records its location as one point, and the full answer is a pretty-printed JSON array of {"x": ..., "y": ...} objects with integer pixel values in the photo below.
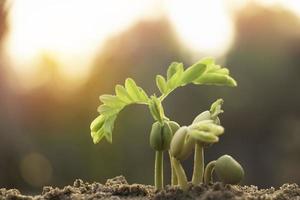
[{"x": 118, "y": 189}]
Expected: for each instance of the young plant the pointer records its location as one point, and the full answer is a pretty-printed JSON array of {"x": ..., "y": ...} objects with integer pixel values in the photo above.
[
  {"x": 204, "y": 138},
  {"x": 204, "y": 72},
  {"x": 228, "y": 170},
  {"x": 196, "y": 135},
  {"x": 203, "y": 132}
]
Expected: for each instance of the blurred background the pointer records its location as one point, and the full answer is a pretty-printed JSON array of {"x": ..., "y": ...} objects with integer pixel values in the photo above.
[{"x": 57, "y": 57}]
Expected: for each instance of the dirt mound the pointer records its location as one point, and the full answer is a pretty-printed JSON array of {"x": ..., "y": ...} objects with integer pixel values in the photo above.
[{"x": 118, "y": 189}]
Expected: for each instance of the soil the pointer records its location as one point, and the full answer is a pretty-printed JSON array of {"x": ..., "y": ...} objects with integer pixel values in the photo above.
[{"x": 118, "y": 189}]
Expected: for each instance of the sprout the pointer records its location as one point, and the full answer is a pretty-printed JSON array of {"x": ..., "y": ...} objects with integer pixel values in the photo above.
[
  {"x": 203, "y": 72},
  {"x": 205, "y": 129},
  {"x": 176, "y": 148},
  {"x": 227, "y": 169},
  {"x": 160, "y": 139},
  {"x": 185, "y": 138},
  {"x": 174, "y": 127},
  {"x": 204, "y": 132}
]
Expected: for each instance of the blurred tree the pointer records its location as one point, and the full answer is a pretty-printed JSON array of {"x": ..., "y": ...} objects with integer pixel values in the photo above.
[{"x": 265, "y": 60}]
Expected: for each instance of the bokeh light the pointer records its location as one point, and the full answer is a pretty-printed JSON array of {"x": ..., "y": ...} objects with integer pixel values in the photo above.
[{"x": 36, "y": 169}]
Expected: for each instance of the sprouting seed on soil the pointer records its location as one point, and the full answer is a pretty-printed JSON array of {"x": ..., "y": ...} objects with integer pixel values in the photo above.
[{"x": 165, "y": 132}]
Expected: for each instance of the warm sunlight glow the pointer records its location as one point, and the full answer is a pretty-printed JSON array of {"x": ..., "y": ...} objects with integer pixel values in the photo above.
[
  {"x": 71, "y": 31},
  {"x": 204, "y": 26}
]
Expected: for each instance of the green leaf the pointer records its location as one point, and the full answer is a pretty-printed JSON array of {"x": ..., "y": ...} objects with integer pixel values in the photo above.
[
  {"x": 216, "y": 109},
  {"x": 216, "y": 79},
  {"x": 156, "y": 109},
  {"x": 213, "y": 68},
  {"x": 173, "y": 68},
  {"x": 207, "y": 61},
  {"x": 97, "y": 135},
  {"x": 208, "y": 126},
  {"x": 111, "y": 100},
  {"x": 132, "y": 89},
  {"x": 161, "y": 84},
  {"x": 107, "y": 110},
  {"x": 203, "y": 136},
  {"x": 108, "y": 127},
  {"x": 97, "y": 123},
  {"x": 212, "y": 128},
  {"x": 224, "y": 71},
  {"x": 202, "y": 116},
  {"x": 136, "y": 93},
  {"x": 143, "y": 95},
  {"x": 193, "y": 72},
  {"x": 175, "y": 80},
  {"x": 122, "y": 94}
]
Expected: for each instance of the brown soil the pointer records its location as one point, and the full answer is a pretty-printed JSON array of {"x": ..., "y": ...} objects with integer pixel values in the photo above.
[{"x": 118, "y": 189}]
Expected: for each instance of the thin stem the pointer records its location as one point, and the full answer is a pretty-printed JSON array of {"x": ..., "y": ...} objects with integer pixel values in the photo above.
[
  {"x": 174, "y": 180},
  {"x": 181, "y": 176},
  {"x": 208, "y": 171},
  {"x": 198, "y": 164},
  {"x": 159, "y": 179}
]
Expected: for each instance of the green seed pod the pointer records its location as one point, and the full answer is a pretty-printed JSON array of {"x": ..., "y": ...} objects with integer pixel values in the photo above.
[
  {"x": 229, "y": 170},
  {"x": 160, "y": 136},
  {"x": 181, "y": 145},
  {"x": 202, "y": 116},
  {"x": 178, "y": 141},
  {"x": 187, "y": 148},
  {"x": 174, "y": 126}
]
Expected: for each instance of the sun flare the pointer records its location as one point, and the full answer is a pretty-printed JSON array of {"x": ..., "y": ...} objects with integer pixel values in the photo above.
[{"x": 72, "y": 33}]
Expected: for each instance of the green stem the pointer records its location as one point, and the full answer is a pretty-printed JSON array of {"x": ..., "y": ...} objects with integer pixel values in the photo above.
[
  {"x": 159, "y": 179},
  {"x": 198, "y": 164},
  {"x": 208, "y": 172},
  {"x": 181, "y": 176},
  {"x": 174, "y": 180}
]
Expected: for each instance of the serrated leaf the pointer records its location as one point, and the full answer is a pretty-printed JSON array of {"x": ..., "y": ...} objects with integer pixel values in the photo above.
[
  {"x": 97, "y": 123},
  {"x": 192, "y": 73},
  {"x": 161, "y": 84},
  {"x": 216, "y": 79},
  {"x": 97, "y": 135},
  {"x": 111, "y": 100},
  {"x": 122, "y": 94},
  {"x": 173, "y": 68},
  {"x": 175, "y": 80},
  {"x": 107, "y": 110}
]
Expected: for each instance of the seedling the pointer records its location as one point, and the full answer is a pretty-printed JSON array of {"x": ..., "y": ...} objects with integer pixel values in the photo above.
[
  {"x": 228, "y": 170},
  {"x": 204, "y": 72},
  {"x": 204, "y": 131}
]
